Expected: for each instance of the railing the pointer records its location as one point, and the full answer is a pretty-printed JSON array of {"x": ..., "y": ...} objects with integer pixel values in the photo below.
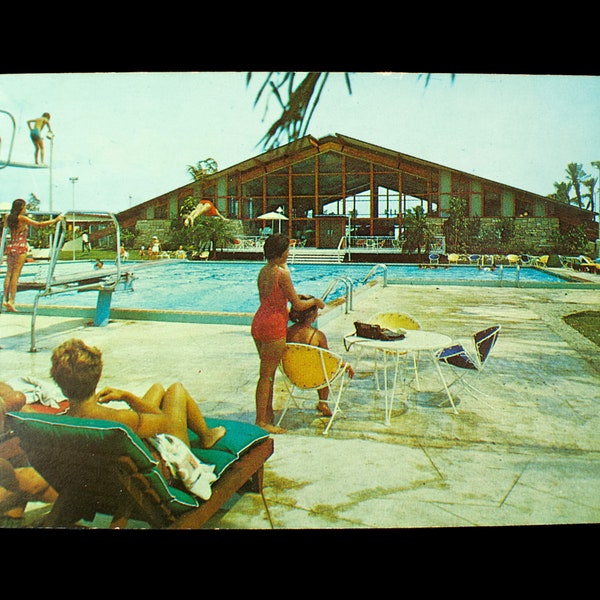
[
  {"x": 374, "y": 270},
  {"x": 251, "y": 241},
  {"x": 349, "y": 291},
  {"x": 374, "y": 242},
  {"x": 12, "y": 139}
]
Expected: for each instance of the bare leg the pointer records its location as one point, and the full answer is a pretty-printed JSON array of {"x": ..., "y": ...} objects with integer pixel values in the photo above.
[
  {"x": 322, "y": 405},
  {"x": 270, "y": 354},
  {"x": 184, "y": 413},
  {"x": 14, "y": 268}
]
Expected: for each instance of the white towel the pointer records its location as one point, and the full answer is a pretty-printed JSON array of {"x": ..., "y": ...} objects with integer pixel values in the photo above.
[
  {"x": 35, "y": 390},
  {"x": 194, "y": 474}
]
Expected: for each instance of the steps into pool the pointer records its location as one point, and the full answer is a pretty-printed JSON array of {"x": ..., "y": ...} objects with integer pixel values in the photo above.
[{"x": 317, "y": 256}]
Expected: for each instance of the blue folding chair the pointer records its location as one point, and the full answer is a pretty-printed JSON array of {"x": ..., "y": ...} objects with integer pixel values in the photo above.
[{"x": 461, "y": 361}]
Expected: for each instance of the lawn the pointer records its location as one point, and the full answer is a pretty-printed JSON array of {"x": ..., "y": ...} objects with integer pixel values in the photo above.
[{"x": 587, "y": 323}]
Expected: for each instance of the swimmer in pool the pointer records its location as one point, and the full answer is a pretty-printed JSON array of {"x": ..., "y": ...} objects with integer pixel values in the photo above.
[
  {"x": 205, "y": 208},
  {"x": 36, "y": 127}
]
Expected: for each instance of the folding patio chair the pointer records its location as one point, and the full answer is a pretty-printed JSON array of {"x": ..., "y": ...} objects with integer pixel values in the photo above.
[
  {"x": 311, "y": 368},
  {"x": 457, "y": 357}
]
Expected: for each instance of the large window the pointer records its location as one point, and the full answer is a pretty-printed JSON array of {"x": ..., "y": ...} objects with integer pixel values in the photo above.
[{"x": 492, "y": 206}]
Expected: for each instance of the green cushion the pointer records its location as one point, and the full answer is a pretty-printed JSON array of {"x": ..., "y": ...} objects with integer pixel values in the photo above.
[
  {"x": 238, "y": 438},
  {"x": 92, "y": 436}
]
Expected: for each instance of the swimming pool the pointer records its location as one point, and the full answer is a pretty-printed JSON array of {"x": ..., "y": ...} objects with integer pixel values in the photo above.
[{"x": 229, "y": 288}]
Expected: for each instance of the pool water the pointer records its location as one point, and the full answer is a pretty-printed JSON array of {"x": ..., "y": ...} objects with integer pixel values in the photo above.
[{"x": 228, "y": 287}]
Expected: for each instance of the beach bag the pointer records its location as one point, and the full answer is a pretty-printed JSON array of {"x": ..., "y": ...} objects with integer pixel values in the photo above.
[{"x": 373, "y": 331}]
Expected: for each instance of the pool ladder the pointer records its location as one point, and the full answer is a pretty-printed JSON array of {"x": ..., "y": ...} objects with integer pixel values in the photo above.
[
  {"x": 517, "y": 276},
  {"x": 349, "y": 291},
  {"x": 374, "y": 270}
]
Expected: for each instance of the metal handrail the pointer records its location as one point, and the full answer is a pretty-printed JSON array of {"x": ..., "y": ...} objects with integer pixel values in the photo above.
[
  {"x": 374, "y": 269},
  {"x": 349, "y": 290},
  {"x": 12, "y": 139}
]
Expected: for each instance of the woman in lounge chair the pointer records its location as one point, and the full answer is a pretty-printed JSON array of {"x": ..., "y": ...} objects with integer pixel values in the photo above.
[
  {"x": 76, "y": 368},
  {"x": 303, "y": 332},
  {"x": 269, "y": 325}
]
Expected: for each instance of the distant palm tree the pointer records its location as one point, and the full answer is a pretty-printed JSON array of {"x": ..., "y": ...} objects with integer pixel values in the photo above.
[
  {"x": 202, "y": 168},
  {"x": 563, "y": 189},
  {"x": 590, "y": 184},
  {"x": 576, "y": 176}
]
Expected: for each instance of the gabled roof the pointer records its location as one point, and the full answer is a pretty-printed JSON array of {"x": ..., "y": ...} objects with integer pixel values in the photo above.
[{"x": 308, "y": 145}]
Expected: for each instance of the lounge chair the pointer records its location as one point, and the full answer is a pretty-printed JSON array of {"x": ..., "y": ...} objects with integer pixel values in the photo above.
[
  {"x": 513, "y": 260},
  {"x": 585, "y": 263},
  {"x": 310, "y": 368},
  {"x": 474, "y": 259},
  {"x": 453, "y": 259},
  {"x": 103, "y": 467},
  {"x": 542, "y": 261}
]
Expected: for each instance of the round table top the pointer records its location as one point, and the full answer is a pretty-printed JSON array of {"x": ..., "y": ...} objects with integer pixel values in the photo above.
[{"x": 414, "y": 340}]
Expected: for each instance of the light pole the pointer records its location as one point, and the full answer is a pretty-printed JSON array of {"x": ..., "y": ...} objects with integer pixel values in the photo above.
[{"x": 73, "y": 180}]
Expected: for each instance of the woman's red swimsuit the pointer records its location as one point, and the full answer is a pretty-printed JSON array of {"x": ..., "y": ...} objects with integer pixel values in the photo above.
[
  {"x": 18, "y": 242},
  {"x": 271, "y": 319}
]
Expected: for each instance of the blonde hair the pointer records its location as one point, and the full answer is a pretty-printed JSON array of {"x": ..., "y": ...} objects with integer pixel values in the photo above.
[{"x": 76, "y": 368}]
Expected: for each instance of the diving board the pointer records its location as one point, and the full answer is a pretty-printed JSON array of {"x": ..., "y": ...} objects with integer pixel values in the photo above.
[{"x": 21, "y": 165}]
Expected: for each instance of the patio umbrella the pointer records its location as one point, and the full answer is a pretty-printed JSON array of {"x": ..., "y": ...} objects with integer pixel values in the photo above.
[{"x": 273, "y": 216}]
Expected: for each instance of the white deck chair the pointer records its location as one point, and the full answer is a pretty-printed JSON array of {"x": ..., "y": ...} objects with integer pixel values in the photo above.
[{"x": 311, "y": 368}]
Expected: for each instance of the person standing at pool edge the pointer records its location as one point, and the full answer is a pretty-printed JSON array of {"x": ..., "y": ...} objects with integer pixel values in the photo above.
[
  {"x": 269, "y": 325},
  {"x": 16, "y": 250}
]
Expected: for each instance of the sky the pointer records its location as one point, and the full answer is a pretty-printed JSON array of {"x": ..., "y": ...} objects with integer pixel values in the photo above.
[{"x": 129, "y": 137}]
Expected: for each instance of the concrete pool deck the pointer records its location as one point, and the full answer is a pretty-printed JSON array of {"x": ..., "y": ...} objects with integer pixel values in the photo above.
[{"x": 530, "y": 456}]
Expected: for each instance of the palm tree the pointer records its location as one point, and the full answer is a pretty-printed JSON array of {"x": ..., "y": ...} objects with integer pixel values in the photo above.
[
  {"x": 202, "y": 168},
  {"x": 297, "y": 103},
  {"x": 563, "y": 189},
  {"x": 418, "y": 234},
  {"x": 576, "y": 175},
  {"x": 590, "y": 184}
]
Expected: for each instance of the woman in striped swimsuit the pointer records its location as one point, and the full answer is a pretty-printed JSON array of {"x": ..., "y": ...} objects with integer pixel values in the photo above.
[{"x": 16, "y": 249}]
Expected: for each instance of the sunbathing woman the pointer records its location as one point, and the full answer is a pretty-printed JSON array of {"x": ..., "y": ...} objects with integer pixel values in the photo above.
[
  {"x": 269, "y": 326},
  {"x": 303, "y": 332},
  {"x": 76, "y": 368},
  {"x": 16, "y": 249}
]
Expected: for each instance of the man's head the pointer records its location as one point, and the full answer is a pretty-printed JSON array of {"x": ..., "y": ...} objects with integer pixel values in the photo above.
[{"x": 76, "y": 368}]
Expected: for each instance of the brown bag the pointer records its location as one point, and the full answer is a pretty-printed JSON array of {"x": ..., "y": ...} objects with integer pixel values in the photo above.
[{"x": 373, "y": 331}]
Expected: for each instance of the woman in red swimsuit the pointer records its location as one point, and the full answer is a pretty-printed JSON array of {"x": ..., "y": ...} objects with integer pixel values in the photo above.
[
  {"x": 269, "y": 326},
  {"x": 16, "y": 249}
]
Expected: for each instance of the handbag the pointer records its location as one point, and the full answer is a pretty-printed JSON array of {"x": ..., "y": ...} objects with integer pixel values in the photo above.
[{"x": 373, "y": 331}]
